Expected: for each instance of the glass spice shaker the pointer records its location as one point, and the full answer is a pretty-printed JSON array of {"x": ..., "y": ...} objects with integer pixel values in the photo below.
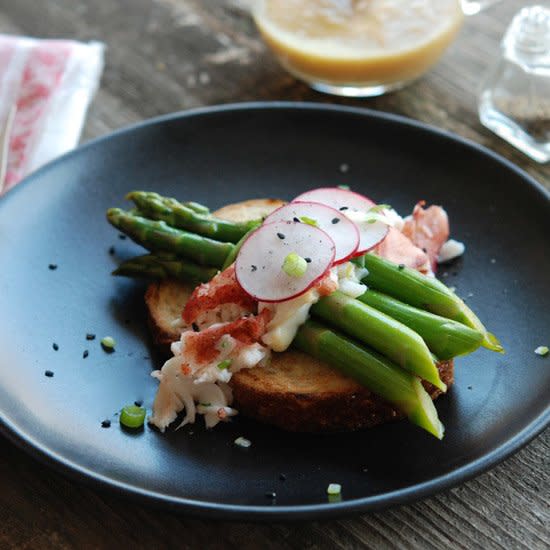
[{"x": 515, "y": 98}]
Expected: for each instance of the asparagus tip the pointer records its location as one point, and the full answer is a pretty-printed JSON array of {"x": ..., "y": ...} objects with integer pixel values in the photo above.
[{"x": 492, "y": 343}]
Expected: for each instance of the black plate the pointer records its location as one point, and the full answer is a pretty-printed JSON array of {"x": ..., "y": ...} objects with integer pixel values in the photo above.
[{"x": 228, "y": 154}]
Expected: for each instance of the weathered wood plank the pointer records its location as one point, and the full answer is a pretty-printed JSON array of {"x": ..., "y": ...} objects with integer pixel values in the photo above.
[{"x": 167, "y": 55}]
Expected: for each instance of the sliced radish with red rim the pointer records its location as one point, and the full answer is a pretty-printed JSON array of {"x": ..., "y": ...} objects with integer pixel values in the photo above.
[
  {"x": 340, "y": 228},
  {"x": 355, "y": 207},
  {"x": 259, "y": 264}
]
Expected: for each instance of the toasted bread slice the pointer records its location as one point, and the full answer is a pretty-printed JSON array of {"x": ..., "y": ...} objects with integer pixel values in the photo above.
[{"x": 295, "y": 391}]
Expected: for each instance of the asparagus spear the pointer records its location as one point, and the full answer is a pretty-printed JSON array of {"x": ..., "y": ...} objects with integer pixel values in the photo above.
[
  {"x": 445, "y": 338},
  {"x": 382, "y": 377},
  {"x": 378, "y": 330},
  {"x": 197, "y": 207},
  {"x": 164, "y": 266},
  {"x": 426, "y": 293},
  {"x": 157, "y": 235},
  {"x": 174, "y": 213}
]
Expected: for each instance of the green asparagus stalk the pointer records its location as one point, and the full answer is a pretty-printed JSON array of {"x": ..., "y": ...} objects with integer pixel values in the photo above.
[
  {"x": 445, "y": 338},
  {"x": 232, "y": 256},
  {"x": 423, "y": 292},
  {"x": 382, "y": 377},
  {"x": 388, "y": 336},
  {"x": 165, "y": 266},
  {"x": 197, "y": 207},
  {"x": 174, "y": 213},
  {"x": 157, "y": 235}
]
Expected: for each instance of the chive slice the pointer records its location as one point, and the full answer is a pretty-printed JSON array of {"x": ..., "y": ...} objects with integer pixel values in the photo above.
[
  {"x": 309, "y": 221},
  {"x": 132, "y": 416},
  {"x": 108, "y": 343},
  {"x": 294, "y": 265},
  {"x": 225, "y": 364}
]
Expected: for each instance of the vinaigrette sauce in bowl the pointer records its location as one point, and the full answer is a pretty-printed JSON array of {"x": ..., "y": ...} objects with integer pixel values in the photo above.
[{"x": 361, "y": 47}]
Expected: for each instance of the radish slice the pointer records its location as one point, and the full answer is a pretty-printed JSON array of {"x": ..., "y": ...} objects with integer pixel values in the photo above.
[
  {"x": 259, "y": 264},
  {"x": 355, "y": 207},
  {"x": 341, "y": 229},
  {"x": 340, "y": 199}
]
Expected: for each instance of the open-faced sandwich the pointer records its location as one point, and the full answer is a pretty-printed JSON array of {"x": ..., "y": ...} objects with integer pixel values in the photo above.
[{"x": 322, "y": 314}]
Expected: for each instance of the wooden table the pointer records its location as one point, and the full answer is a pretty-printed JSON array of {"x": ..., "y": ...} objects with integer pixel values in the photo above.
[{"x": 168, "y": 55}]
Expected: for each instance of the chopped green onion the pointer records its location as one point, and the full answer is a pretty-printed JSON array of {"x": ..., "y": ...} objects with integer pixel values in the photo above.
[
  {"x": 132, "y": 416},
  {"x": 294, "y": 265},
  {"x": 108, "y": 343},
  {"x": 542, "y": 351},
  {"x": 373, "y": 217},
  {"x": 379, "y": 208},
  {"x": 225, "y": 364},
  {"x": 242, "y": 442},
  {"x": 334, "y": 489},
  {"x": 309, "y": 221},
  {"x": 345, "y": 187},
  {"x": 205, "y": 404}
]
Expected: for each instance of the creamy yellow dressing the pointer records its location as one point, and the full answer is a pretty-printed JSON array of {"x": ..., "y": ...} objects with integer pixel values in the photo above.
[{"x": 358, "y": 42}]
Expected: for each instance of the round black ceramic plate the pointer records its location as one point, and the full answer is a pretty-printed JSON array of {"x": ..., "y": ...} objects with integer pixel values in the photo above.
[{"x": 221, "y": 155}]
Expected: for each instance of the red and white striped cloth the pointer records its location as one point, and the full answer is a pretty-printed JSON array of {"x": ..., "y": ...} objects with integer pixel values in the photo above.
[{"x": 51, "y": 84}]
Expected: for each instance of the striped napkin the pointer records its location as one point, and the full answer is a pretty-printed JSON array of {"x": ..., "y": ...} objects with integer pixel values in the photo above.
[{"x": 45, "y": 89}]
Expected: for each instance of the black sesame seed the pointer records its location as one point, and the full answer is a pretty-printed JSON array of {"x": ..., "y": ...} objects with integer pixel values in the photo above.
[
  {"x": 111, "y": 250},
  {"x": 335, "y": 220},
  {"x": 296, "y": 220},
  {"x": 85, "y": 354},
  {"x": 138, "y": 403},
  {"x": 342, "y": 208},
  {"x": 401, "y": 267},
  {"x": 425, "y": 250},
  {"x": 106, "y": 424},
  {"x": 122, "y": 237},
  {"x": 253, "y": 268},
  {"x": 271, "y": 494},
  {"x": 90, "y": 336},
  {"x": 48, "y": 373},
  {"x": 308, "y": 260},
  {"x": 195, "y": 327},
  {"x": 281, "y": 236},
  {"x": 52, "y": 267},
  {"x": 55, "y": 346},
  {"x": 469, "y": 387},
  {"x": 282, "y": 477}
]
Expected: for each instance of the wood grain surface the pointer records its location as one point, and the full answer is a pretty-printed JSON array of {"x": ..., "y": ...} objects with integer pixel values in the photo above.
[{"x": 168, "y": 55}]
